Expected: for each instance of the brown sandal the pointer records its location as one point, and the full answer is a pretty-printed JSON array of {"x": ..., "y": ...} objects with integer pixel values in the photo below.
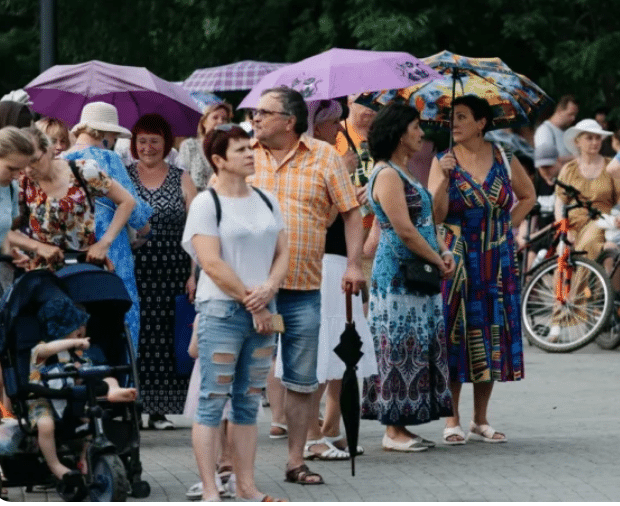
[{"x": 301, "y": 474}]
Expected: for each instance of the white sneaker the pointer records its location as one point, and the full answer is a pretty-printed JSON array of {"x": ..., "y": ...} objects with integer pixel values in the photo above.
[
  {"x": 230, "y": 487},
  {"x": 195, "y": 491},
  {"x": 554, "y": 334}
]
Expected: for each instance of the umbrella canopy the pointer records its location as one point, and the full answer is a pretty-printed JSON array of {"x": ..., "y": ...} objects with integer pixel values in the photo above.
[
  {"x": 350, "y": 351},
  {"x": 242, "y": 75},
  {"x": 340, "y": 72},
  {"x": 515, "y": 99},
  {"x": 63, "y": 90}
]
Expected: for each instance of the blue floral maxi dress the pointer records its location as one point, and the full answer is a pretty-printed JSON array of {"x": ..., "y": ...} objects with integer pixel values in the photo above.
[
  {"x": 482, "y": 301},
  {"x": 162, "y": 269},
  {"x": 411, "y": 387},
  {"x": 120, "y": 251}
]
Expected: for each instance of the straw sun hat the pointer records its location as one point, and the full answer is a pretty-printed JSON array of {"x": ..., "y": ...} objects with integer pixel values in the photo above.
[
  {"x": 101, "y": 116},
  {"x": 585, "y": 125}
]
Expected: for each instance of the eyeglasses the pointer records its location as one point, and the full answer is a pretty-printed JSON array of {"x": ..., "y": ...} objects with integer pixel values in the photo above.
[{"x": 264, "y": 112}]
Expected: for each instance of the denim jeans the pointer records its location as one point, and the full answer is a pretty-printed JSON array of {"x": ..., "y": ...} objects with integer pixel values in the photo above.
[
  {"x": 301, "y": 311},
  {"x": 234, "y": 363}
]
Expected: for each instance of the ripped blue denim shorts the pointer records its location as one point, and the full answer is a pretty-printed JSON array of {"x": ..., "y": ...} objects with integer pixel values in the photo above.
[{"x": 234, "y": 362}]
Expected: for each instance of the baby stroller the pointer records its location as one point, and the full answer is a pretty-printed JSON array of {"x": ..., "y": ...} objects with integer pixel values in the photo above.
[{"x": 113, "y": 455}]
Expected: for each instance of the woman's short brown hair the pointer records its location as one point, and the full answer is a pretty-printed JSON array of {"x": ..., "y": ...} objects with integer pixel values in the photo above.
[
  {"x": 216, "y": 142},
  {"x": 152, "y": 124},
  {"x": 211, "y": 109}
]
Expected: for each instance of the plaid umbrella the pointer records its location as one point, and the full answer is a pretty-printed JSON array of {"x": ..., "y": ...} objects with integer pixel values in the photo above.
[
  {"x": 515, "y": 99},
  {"x": 242, "y": 75}
]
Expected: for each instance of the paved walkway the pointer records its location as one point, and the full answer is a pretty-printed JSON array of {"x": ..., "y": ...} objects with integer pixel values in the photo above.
[{"x": 562, "y": 423}]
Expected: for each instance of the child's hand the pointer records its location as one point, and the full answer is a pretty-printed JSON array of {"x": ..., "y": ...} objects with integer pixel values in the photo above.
[{"x": 82, "y": 343}]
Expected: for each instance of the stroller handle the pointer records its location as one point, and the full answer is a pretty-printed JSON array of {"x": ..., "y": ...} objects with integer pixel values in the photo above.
[{"x": 98, "y": 371}]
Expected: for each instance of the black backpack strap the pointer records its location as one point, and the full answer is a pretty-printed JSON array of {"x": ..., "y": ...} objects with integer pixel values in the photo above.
[
  {"x": 218, "y": 207},
  {"x": 82, "y": 183},
  {"x": 264, "y": 197}
]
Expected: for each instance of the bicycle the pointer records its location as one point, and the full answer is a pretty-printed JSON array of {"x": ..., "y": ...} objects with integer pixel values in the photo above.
[{"x": 567, "y": 299}]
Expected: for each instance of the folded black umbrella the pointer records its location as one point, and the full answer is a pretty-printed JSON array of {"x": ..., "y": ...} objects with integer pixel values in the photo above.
[{"x": 350, "y": 351}]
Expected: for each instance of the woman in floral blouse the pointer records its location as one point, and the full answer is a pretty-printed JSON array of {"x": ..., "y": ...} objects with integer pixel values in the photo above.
[{"x": 58, "y": 210}]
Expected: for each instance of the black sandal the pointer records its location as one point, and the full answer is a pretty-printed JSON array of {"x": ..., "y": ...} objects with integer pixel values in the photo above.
[{"x": 301, "y": 474}]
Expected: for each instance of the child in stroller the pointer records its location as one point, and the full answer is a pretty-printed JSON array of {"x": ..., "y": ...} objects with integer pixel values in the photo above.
[
  {"x": 65, "y": 324},
  {"x": 114, "y": 469}
]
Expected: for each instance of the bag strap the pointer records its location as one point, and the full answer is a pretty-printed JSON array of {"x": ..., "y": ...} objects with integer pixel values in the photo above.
[
  {"x": 505, "y": 160},
  {"x": 264, "y": 197},
  {"x": 82, "y": 183},
  {"x": 218, "y": 205}
]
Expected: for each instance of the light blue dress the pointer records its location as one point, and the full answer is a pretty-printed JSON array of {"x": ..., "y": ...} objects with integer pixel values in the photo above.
[{"x": 120, "y": 251}]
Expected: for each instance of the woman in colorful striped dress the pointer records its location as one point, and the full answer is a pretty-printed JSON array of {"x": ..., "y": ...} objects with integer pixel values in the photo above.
[{"x": 472, "y": 189}]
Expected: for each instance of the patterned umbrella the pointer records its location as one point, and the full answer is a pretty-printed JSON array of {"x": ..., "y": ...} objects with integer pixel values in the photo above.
[
  {"x": 340, "y": 72},
  {"x": 242, "y": 75},
  {"x": 515, "y": 99}
]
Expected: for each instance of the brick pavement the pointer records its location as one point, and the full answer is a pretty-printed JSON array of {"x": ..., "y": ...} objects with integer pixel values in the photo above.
[{"x": 562, "y": 423}]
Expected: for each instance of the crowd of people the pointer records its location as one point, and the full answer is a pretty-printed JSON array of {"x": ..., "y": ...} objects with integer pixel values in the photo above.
[{"x": 264, "y": 231}]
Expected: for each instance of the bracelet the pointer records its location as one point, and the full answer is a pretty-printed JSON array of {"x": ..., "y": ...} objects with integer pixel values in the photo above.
[{"x": 447, "y": 252}]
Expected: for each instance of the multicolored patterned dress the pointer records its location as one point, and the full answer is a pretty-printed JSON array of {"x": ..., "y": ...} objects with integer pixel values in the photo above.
[
  {"x": 482, "y": 301},
  {"x": 67, "y": 222},
  {"x": 411, "y": 386}
]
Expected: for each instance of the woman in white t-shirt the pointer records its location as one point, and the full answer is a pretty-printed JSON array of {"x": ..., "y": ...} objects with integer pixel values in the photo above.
[{"x": 236, "y": 234}]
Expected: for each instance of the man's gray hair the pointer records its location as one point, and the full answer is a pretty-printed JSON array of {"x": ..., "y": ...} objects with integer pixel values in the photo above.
[{"x": 292, "y": 103}]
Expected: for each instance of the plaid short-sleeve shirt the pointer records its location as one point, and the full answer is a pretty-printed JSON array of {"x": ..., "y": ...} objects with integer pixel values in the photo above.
[{"x": 308, "y": 181}]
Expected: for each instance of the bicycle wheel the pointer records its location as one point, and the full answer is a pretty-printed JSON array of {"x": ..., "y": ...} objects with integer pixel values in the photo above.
[{"x": 580, "y": 318}]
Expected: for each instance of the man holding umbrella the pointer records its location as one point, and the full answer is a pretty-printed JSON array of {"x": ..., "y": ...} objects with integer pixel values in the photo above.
[{"x": 307, "y": 176}]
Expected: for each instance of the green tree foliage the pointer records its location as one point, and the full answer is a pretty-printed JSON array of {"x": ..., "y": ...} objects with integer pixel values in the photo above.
[{"x": 566, "y": 46}]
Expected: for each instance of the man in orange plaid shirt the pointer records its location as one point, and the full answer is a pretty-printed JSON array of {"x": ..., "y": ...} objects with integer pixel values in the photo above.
[{"x": 307, "y": 177}]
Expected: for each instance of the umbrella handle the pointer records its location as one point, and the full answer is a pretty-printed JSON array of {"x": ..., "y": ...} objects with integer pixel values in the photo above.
[{"x": 348, "y": 292}]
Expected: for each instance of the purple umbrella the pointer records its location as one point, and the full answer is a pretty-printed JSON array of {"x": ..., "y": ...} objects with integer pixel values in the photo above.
[
  {"x": 236, "y": 76},
  {"x": 63, "y": 90},
  {"x": 339, "y": 72}
]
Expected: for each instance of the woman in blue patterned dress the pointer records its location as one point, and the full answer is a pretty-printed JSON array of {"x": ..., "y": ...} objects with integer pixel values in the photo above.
[
  {"x": 96, "y": 132},
  {"x": 411, "y": 387},
  {"x": 473, "y": 194}
]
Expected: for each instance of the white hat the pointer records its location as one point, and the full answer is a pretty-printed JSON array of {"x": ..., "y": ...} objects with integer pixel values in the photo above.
[
  {"x": 101, "y": 116},
  {"x": 585, "y": 125}
]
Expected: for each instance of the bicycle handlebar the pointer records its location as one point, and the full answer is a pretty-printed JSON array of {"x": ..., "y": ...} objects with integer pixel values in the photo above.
[{"x": 574, "y": 193}]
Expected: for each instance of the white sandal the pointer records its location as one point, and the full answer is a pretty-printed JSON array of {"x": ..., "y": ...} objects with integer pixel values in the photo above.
[
  {"x": 484, "y": 433},
  {"x": 453, "y": 431},
  {"x": 279, "y": 426},
  {"x": 333, "y": 439},
  {"x": 332, "y": 453}
]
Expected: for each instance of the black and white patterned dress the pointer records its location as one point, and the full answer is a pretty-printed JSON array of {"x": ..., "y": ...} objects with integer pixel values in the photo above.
[{"x": 162, "y": 269}]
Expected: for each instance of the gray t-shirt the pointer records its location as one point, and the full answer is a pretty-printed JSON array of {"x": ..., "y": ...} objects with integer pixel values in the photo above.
[
  {"x": 248, "y": 234},
  {"x": 548, "y": 133}
]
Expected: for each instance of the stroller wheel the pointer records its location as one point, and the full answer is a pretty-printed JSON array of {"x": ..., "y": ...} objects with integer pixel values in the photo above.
[
  {"x": 110, "y": 482},
  {"x": 140, "y": 489},
  {"x": 72, "y": 487}
]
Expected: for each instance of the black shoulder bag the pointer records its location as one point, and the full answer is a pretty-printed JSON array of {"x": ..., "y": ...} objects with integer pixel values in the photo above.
[{"x": 419, "y": 274}]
